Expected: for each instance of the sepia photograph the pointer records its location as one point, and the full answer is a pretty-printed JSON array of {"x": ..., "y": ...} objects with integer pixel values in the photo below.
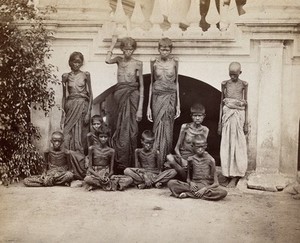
[{"x": 146, "y": 121}]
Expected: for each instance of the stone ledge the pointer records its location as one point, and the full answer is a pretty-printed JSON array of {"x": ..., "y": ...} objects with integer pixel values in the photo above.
[{"x": 268, "y": 182}]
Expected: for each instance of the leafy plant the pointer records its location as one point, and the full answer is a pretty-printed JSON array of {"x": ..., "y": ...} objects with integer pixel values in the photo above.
[{"x": 25, "y": 75}]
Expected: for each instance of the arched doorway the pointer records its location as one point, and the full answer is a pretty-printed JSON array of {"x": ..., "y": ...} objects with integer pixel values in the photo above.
[{"x": 191, "y": 91}]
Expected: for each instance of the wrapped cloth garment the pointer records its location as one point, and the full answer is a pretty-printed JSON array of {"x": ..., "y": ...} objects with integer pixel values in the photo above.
[{"x": 233, "y": 150}]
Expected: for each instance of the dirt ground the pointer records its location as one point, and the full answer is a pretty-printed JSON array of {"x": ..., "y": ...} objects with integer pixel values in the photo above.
[{"x": 62, "y": 214}]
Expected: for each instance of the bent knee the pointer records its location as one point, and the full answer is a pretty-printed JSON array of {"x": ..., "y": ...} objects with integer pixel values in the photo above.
[
  {"x": 171, "y": 183},
  {"x": 127, "y": 171},
  {"x": 69, "y": 174},
  {"x": 170, "y": 157}
]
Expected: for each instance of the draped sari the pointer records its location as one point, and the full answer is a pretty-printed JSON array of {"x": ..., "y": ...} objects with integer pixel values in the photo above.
[{"x": 163, "y": 105}]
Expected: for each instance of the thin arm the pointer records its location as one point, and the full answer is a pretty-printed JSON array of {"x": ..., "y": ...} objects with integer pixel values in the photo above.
[
  {"x": 136, "y": 159},
  {"x": 180, "y": 139}
]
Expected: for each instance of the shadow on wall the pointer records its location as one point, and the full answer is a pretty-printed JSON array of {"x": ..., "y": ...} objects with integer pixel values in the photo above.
[{"x": 191, "y": 91}]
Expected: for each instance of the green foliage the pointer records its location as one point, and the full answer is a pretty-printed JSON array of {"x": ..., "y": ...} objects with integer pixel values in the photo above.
[{"x": 25, "y": 76}]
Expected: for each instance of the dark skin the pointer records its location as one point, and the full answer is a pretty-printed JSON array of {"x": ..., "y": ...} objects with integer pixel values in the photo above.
[
  {"x": 95, "y": 125},
  {"x": 199, "y": 149},
  {"x": 164, "y": 52},
  {"x": 147, "y": 148},
  {"x": 75, "y": 66},
  {"x": 237, "y": 93},
  {"x": 131, "y": 63},
  {"x": 110, "y": 153},
  {"x": 57, "y": 142}
]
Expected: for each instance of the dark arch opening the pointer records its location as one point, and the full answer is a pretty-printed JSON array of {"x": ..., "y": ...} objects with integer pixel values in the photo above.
[{"x": 191, "y": 91}]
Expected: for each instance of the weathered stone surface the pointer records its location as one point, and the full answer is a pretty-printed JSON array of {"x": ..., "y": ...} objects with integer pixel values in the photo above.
[{"x": 268, "y": 182}]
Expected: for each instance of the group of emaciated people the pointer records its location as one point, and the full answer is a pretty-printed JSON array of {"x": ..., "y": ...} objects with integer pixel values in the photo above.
[{"x": 112, "y": 161}]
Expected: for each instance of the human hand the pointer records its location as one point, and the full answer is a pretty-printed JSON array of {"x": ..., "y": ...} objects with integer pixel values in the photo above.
[
  {"x": 114, "y": 39},
  {"x": 220, "y": 128},
  {"x": 149, "y": 115},
  {"x": 200, "y": 192},
  {"x": 139, "y": 116},
  {"x": 110, "y": 174},
  {"x": 177, "y": 112},
  {"x": 193, "y": 186},
  {"x": 184, "y": 162}
]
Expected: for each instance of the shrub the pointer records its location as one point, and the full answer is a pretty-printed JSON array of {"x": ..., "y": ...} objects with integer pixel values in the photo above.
[{"x": 25, "y": 76}]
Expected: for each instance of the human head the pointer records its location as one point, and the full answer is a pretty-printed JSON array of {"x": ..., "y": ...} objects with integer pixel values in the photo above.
[
  {"x": 165, "y": 47},
  {"x": 199, "y": 144},
  {"x": 165, "y": 42},
  {"x": 104, "y": 133},
  {"x": 96, "y": 122},
  {"x": 57, "y": 139},
  {"x": 128, "y": 46},
  {"x": 147, "y": 140},
  {"x": 234, "y": 70},
  {"x": 76, "y": 60},
  {"x": 198, "y": 113}
]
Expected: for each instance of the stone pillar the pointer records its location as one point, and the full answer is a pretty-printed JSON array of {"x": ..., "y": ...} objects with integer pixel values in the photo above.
[
  {"x": 267, "y": 176},
  {"x": 269, "y": 107}
]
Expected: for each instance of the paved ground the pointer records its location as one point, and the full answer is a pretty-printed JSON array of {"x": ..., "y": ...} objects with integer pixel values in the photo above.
[{"x": 61, "y": 214}]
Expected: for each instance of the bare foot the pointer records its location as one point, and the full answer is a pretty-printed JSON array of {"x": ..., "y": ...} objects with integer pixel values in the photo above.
[
  {"x": 90, "y": 188},
  {"x": 182, "y": 195},
  {"x": 233, "y": 182},
  {"x": 158, "y": 185},
  {"x": 141, "y": 186}
]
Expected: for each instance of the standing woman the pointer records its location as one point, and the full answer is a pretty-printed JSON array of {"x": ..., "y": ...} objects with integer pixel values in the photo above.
[
  {"x": 77, "y": 104},
  {"x": 164, "y": 97},
  {"x": 129, "y": 97}
]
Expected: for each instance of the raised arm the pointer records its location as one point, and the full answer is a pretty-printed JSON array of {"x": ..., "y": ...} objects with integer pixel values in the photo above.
[
  {"x": 109, "y": 59},
  {"x": 221, "y": 108},
  {"x": 63, "y": 101},
  {"x": 177, "y": 89},
  {"x": 149, "y": 111},
  {"x": 89, "y": 86},
  {"x": 139, "y": 113}
]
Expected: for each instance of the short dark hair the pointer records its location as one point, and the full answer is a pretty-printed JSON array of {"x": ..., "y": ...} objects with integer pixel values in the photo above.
[
  {"x": 75, "y": 54},
  {"x": 148, "y": 134},
  {"x": 104, "y": 129},
  {"x": 57, "y": 133},
  {"x": 97, "y": 117},
  {"x": 197, "y": 108},
  {"x": 128, "y": 42},
  {"x": 165, "y": 42},
  {"x": 201, "y": 138}
]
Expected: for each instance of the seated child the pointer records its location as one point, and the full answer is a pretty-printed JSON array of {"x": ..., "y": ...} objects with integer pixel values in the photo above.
[
  {"x": 147, "y": 171},
  {"x": 184, "y": 148},
  {"x": 57, "y": 166},
  {"x": 92, "y": 136},
  {"x": 202, "y": 180},
  {"x": 101, "y": 163}
]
